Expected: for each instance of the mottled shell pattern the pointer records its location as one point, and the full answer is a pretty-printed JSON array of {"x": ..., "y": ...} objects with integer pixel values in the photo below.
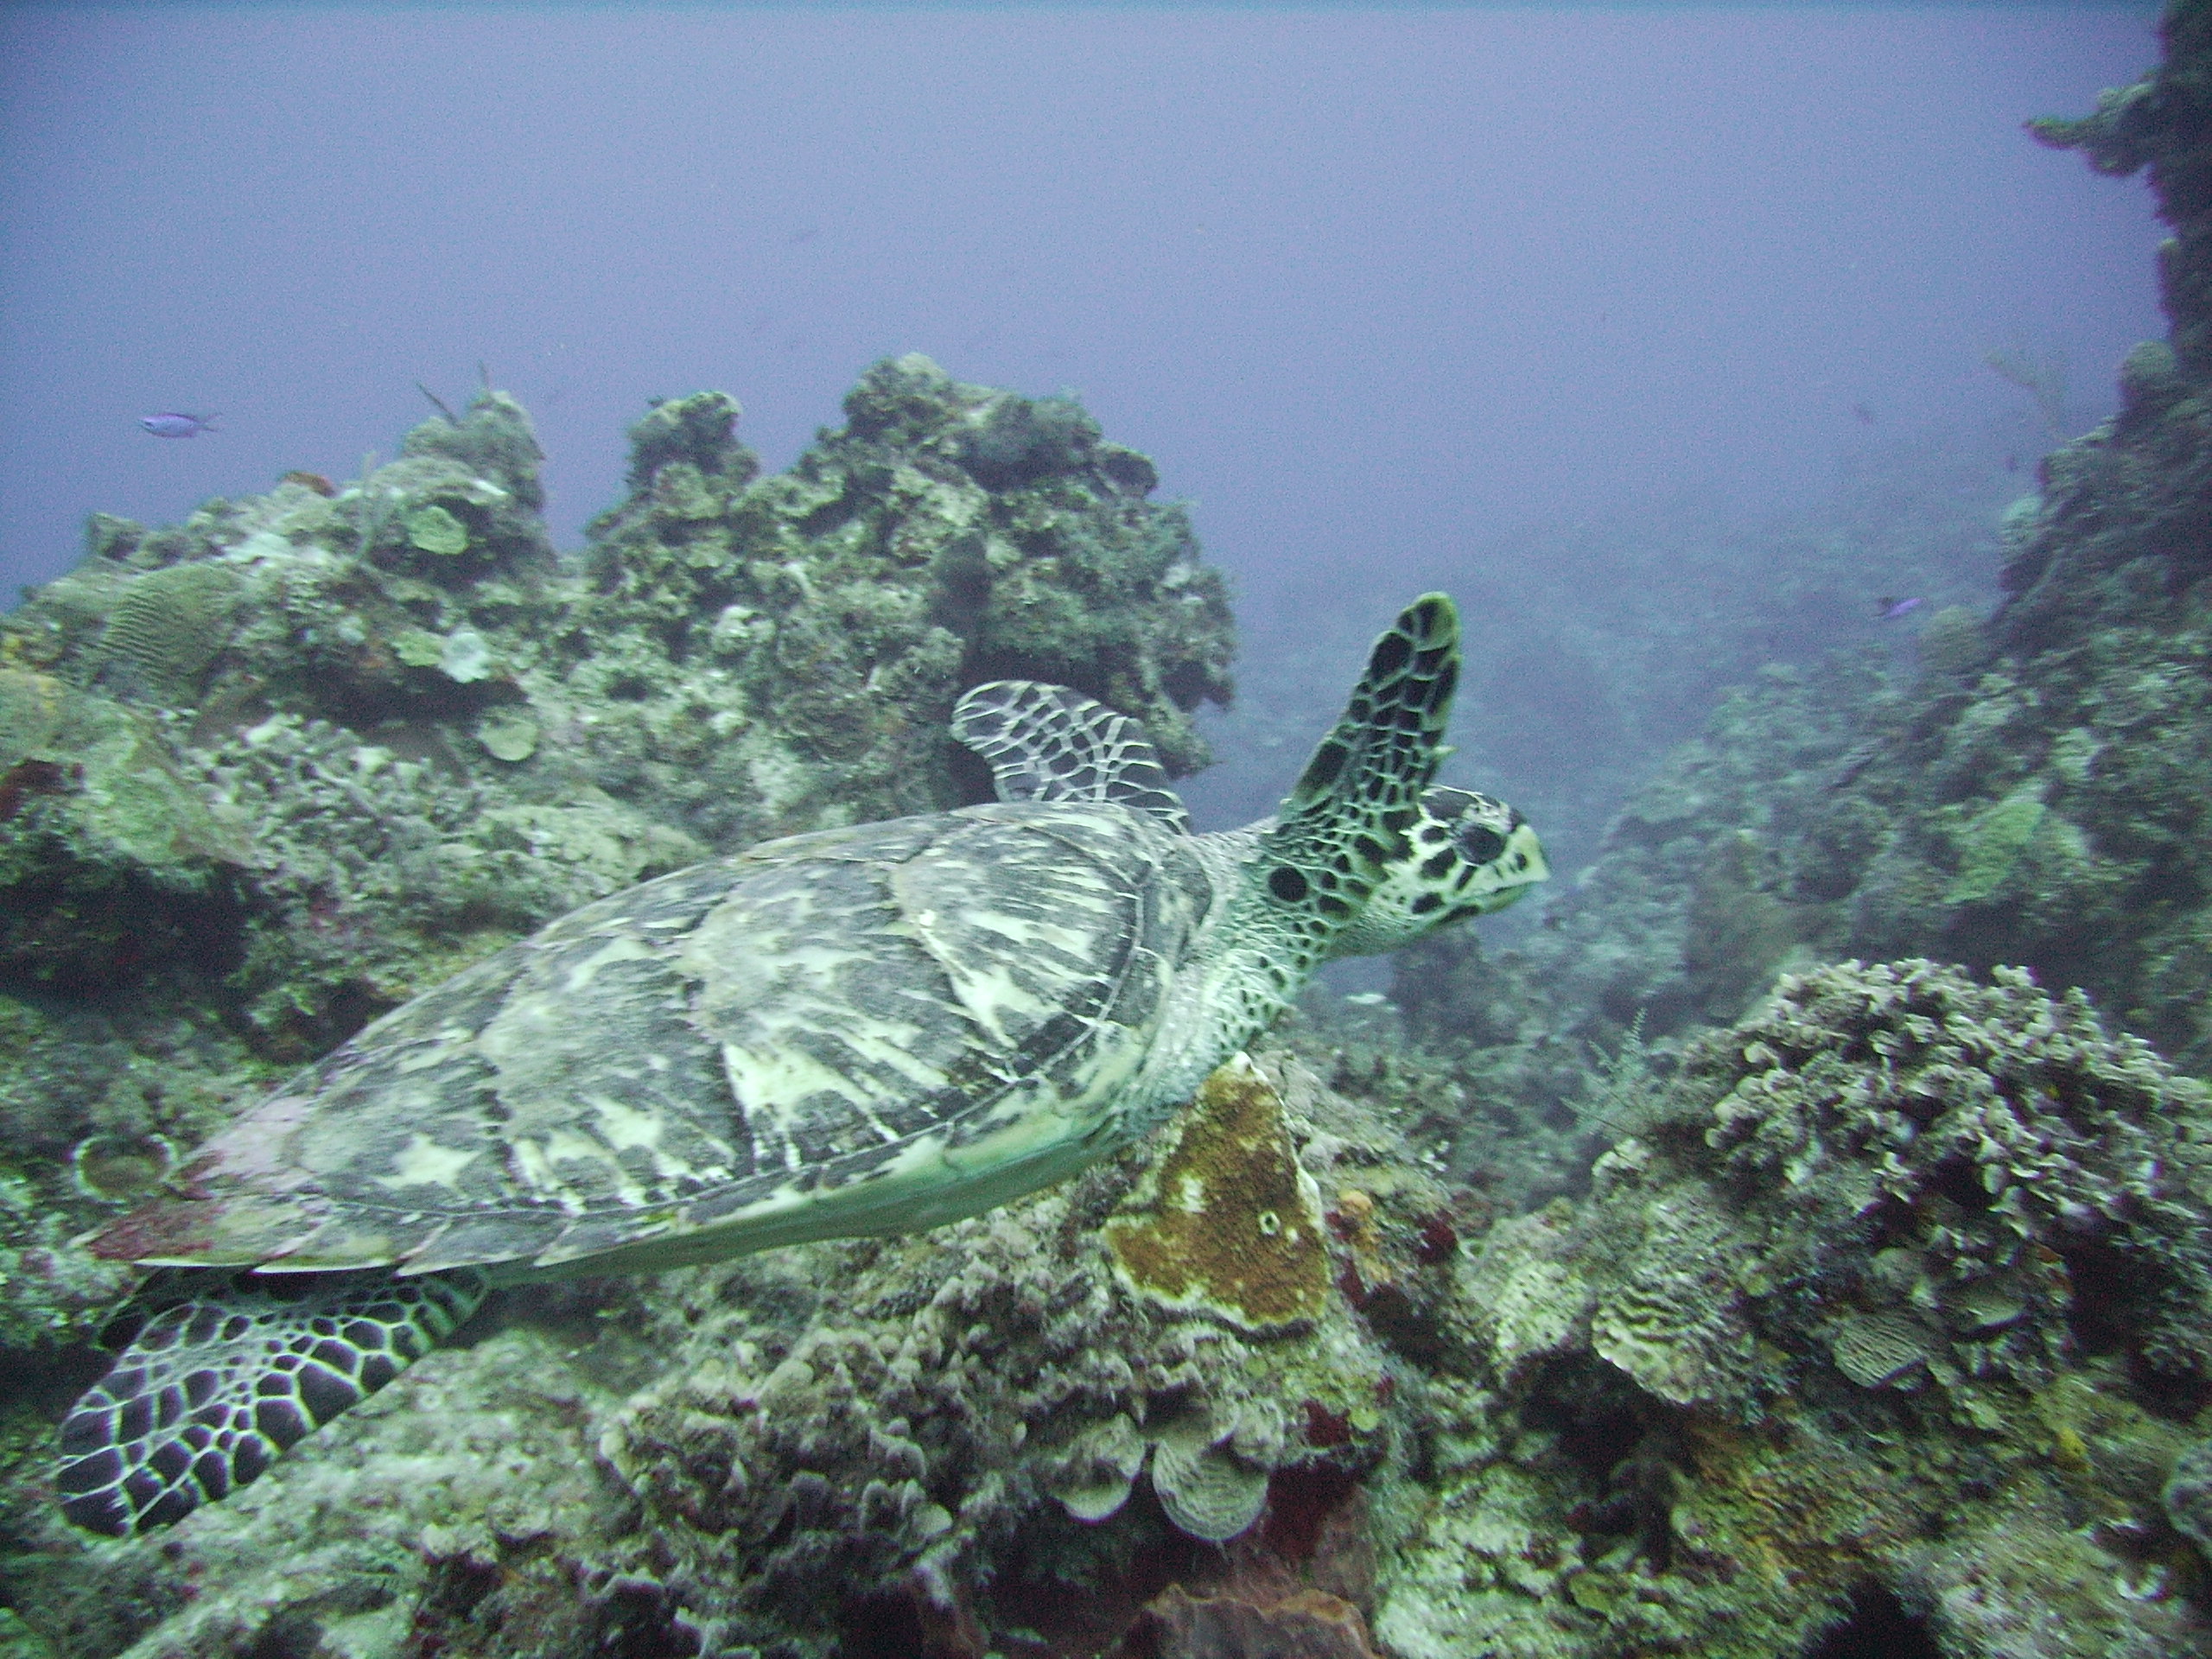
[{"x": 875, "y": 1027}]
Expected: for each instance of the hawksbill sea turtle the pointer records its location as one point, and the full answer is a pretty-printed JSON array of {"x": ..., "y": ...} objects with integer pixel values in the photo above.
[{"x": 859, "y": 1031}]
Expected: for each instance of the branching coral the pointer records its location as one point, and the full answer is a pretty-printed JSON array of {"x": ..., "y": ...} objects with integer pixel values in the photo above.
[{"x": 1989, "y": 1145}]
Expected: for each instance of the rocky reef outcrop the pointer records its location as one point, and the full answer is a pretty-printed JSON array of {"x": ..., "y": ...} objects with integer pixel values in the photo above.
[
  {"x": 269, "y": 773},
  {"x": 1889, "y": 1319}
]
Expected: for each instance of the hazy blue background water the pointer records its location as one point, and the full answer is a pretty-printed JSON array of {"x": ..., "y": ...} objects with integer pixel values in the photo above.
[{"x": 1582, "y": 311}]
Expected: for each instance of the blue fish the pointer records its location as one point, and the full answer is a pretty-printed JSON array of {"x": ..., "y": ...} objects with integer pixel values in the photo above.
[
  {"x": 174, "y": 425},
  {"x": 1892, "y": 609}
]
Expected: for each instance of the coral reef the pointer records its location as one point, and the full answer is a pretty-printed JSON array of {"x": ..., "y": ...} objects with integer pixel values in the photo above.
[
  {"x": 1896, "y": 1300},
  {"x": 266, "y": 773},
  {"x": 2165, "y": 123},
  {"x": 1883, "y": 1322},
  {"x": 738, "y": 657},
  {"x": 1890, "y": 1315},
  {"x": 861, "y": 1442},
  {"x": 1884, "y": 1314},
  {"x": 1468, "y": 1051},
  {"x": 2031, "y": 791},
  {"x": 760, "y": 658},
  {"x": 110, "y": 857},
  {"x": 924, "y": 1417}
]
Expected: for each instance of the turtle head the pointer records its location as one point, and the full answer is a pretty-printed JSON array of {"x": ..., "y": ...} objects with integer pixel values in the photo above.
[
  {"x": 1466, "y": 855},
  {"x": 1365, "y": 855}
]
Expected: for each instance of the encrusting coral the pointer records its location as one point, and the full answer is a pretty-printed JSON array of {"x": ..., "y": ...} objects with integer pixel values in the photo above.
[
  {"x": 981, "y": 1416},
  {"x": 1228, "y": 1224}
]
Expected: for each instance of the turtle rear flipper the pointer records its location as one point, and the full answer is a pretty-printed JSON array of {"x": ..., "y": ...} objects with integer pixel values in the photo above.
[{"x": 229, "y": 1370}]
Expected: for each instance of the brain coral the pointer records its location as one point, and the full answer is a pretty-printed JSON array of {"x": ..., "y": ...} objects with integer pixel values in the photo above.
[
  {"x": 1208, "y": 1487},
  {"x": 1674, "y": 1320},
  {"x": 165, "y": 629}
]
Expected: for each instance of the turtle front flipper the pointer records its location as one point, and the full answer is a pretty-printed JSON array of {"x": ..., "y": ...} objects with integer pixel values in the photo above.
[
  {"x": 1345, "y": 822},
  {"x": 1047, "y": 743},
  {"x": 229, "y": 1370}
]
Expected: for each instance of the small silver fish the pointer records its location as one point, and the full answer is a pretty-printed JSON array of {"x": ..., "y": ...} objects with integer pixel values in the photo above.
[
  {"x": 171, "y": 424},
  {"x": 1890, "y": 609}
]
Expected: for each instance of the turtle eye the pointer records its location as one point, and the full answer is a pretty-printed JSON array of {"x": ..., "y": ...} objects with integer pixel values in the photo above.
[{"x": 1478, "y": 843}]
